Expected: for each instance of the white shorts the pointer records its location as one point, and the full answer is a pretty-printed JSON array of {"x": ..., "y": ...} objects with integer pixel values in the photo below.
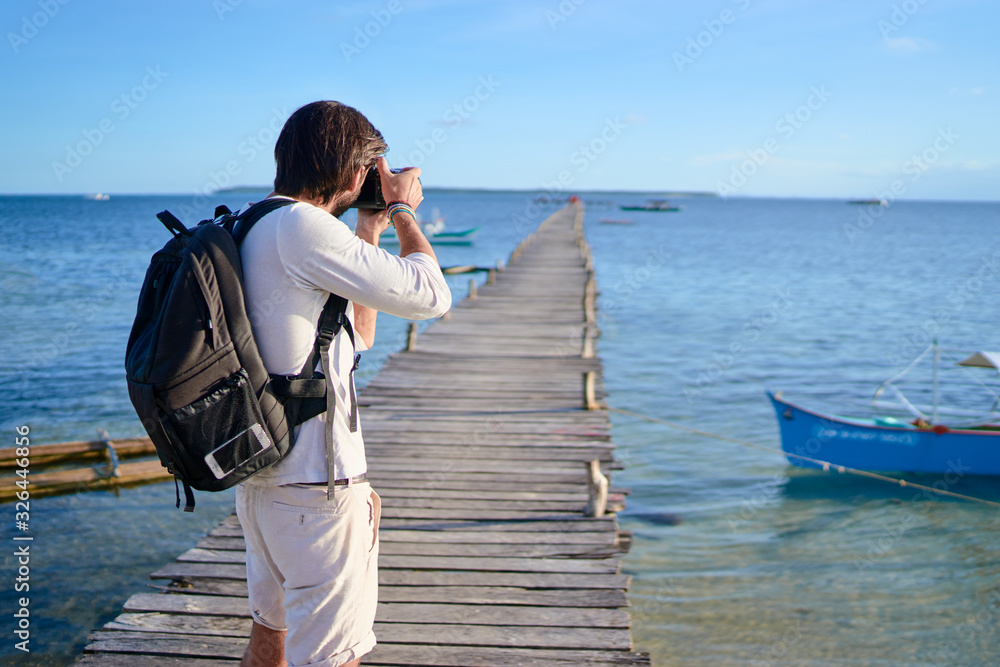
[{"x": 312, "y": 567}]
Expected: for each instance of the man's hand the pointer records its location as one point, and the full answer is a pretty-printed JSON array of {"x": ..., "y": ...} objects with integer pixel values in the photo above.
[
  {"x": 404, "y": 186},
  {"x": 371, "y": 224}
]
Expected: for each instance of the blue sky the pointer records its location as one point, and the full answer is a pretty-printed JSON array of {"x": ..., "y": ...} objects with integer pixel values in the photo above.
[{"x": 747, "y": 97}]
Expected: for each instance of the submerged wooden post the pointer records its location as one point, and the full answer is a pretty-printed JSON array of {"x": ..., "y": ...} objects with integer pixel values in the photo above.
[
  {"x": 411, "y": 337},
  {"x": 114, "y": 469},
  {"x": 597, "y": 490}
]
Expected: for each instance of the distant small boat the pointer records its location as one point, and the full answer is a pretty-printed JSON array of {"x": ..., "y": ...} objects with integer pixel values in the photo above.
[
  {"x": 100, "y": 196},
  {"x": 660, "y": 205},
  {"x": 615, "y": 221},
  {"x": 464, "y": 237},
  {"x": 921, "y": 440},
  {"x": 868, "y": 202}
]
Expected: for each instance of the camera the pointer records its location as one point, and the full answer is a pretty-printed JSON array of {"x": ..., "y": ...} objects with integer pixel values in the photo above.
[{"x": 371, "y": 191}]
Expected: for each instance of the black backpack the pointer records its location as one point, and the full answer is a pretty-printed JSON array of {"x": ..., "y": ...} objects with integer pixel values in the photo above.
[{"x": 195, "y": 375}]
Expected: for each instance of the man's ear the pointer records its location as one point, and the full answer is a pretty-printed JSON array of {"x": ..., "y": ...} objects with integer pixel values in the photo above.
[{"x": 359, "y": 178}]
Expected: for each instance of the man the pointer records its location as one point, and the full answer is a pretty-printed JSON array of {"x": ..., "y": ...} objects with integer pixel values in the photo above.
[{"x": 311, "y": 558}]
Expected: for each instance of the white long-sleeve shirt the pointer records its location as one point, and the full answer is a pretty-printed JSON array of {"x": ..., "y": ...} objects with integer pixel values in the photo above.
[{"x": 293, "y": 258}]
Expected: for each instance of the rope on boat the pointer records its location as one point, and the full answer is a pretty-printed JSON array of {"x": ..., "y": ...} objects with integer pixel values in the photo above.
[{"x": 826, "y": 465}]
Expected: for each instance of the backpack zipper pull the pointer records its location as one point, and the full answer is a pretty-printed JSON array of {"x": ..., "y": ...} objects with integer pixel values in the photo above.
[{"x": 209, "y": 329}]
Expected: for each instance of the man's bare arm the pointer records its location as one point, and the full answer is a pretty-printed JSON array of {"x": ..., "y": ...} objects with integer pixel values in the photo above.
[
  {"x": 371, "y": 224},
  {"x": 404, "y": 186}
]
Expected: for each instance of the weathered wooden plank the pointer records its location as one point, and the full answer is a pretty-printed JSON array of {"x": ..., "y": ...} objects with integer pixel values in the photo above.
[
  {"x": 456, "y": 634},
  {"x": 164, "y": 644},
  {"x": 386, "y": 653},
  {"x": 515, "y": 579},
  {"x": 132, "y": 660},
  {"x": 561, "y": 531},
  {"x": 510, "y": 636},
  {"x": 188, "y": 624},
  {"x": 79, "y": 479},
  {"x": 473, "y": 594},
  {"x": 445, "y": 549},
  {"x": 408, "y": 577},
  {"x": 390, "y": 612},
  {"x": 411, "y": 561},
  {"x": 507, "y": 455}
]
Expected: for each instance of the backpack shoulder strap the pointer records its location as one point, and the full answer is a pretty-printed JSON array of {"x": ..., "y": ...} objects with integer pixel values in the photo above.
[{"x": 243, "y": 223}]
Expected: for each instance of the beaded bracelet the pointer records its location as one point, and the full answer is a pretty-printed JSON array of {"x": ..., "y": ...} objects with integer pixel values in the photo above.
[{"x": 398, "y": 207}]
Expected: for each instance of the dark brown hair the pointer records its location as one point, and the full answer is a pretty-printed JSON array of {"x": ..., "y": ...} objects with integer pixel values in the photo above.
[{"x": 320, "y": 148}]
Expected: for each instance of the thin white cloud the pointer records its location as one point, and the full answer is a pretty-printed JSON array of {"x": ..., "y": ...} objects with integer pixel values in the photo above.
[{"x": 907, "y": 45}]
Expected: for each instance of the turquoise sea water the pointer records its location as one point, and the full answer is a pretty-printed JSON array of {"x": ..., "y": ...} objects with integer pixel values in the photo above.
[{"x": 700, "y": 312}]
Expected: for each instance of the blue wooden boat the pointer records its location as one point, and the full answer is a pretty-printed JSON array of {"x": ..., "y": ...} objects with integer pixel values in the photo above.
[{"x": 928, "y": 443}]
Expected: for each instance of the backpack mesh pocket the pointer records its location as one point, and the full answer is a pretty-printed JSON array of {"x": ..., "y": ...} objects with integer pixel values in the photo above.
[{"x": 224, "y": 433}]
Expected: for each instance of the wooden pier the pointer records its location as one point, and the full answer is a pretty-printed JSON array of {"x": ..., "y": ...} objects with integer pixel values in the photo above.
[{"x": 481, "y": 437}]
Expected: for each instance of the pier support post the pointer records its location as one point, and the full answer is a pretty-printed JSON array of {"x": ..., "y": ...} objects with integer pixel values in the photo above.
[
  {"x": 472, "y": 289},
  {"x": 590, "y": 391},
  {"x": 411, "y": 337},
  {"x": 589, "y": 296},
  {"x": 597, "y": 490},
  {"x": 588, "y": 342}
]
